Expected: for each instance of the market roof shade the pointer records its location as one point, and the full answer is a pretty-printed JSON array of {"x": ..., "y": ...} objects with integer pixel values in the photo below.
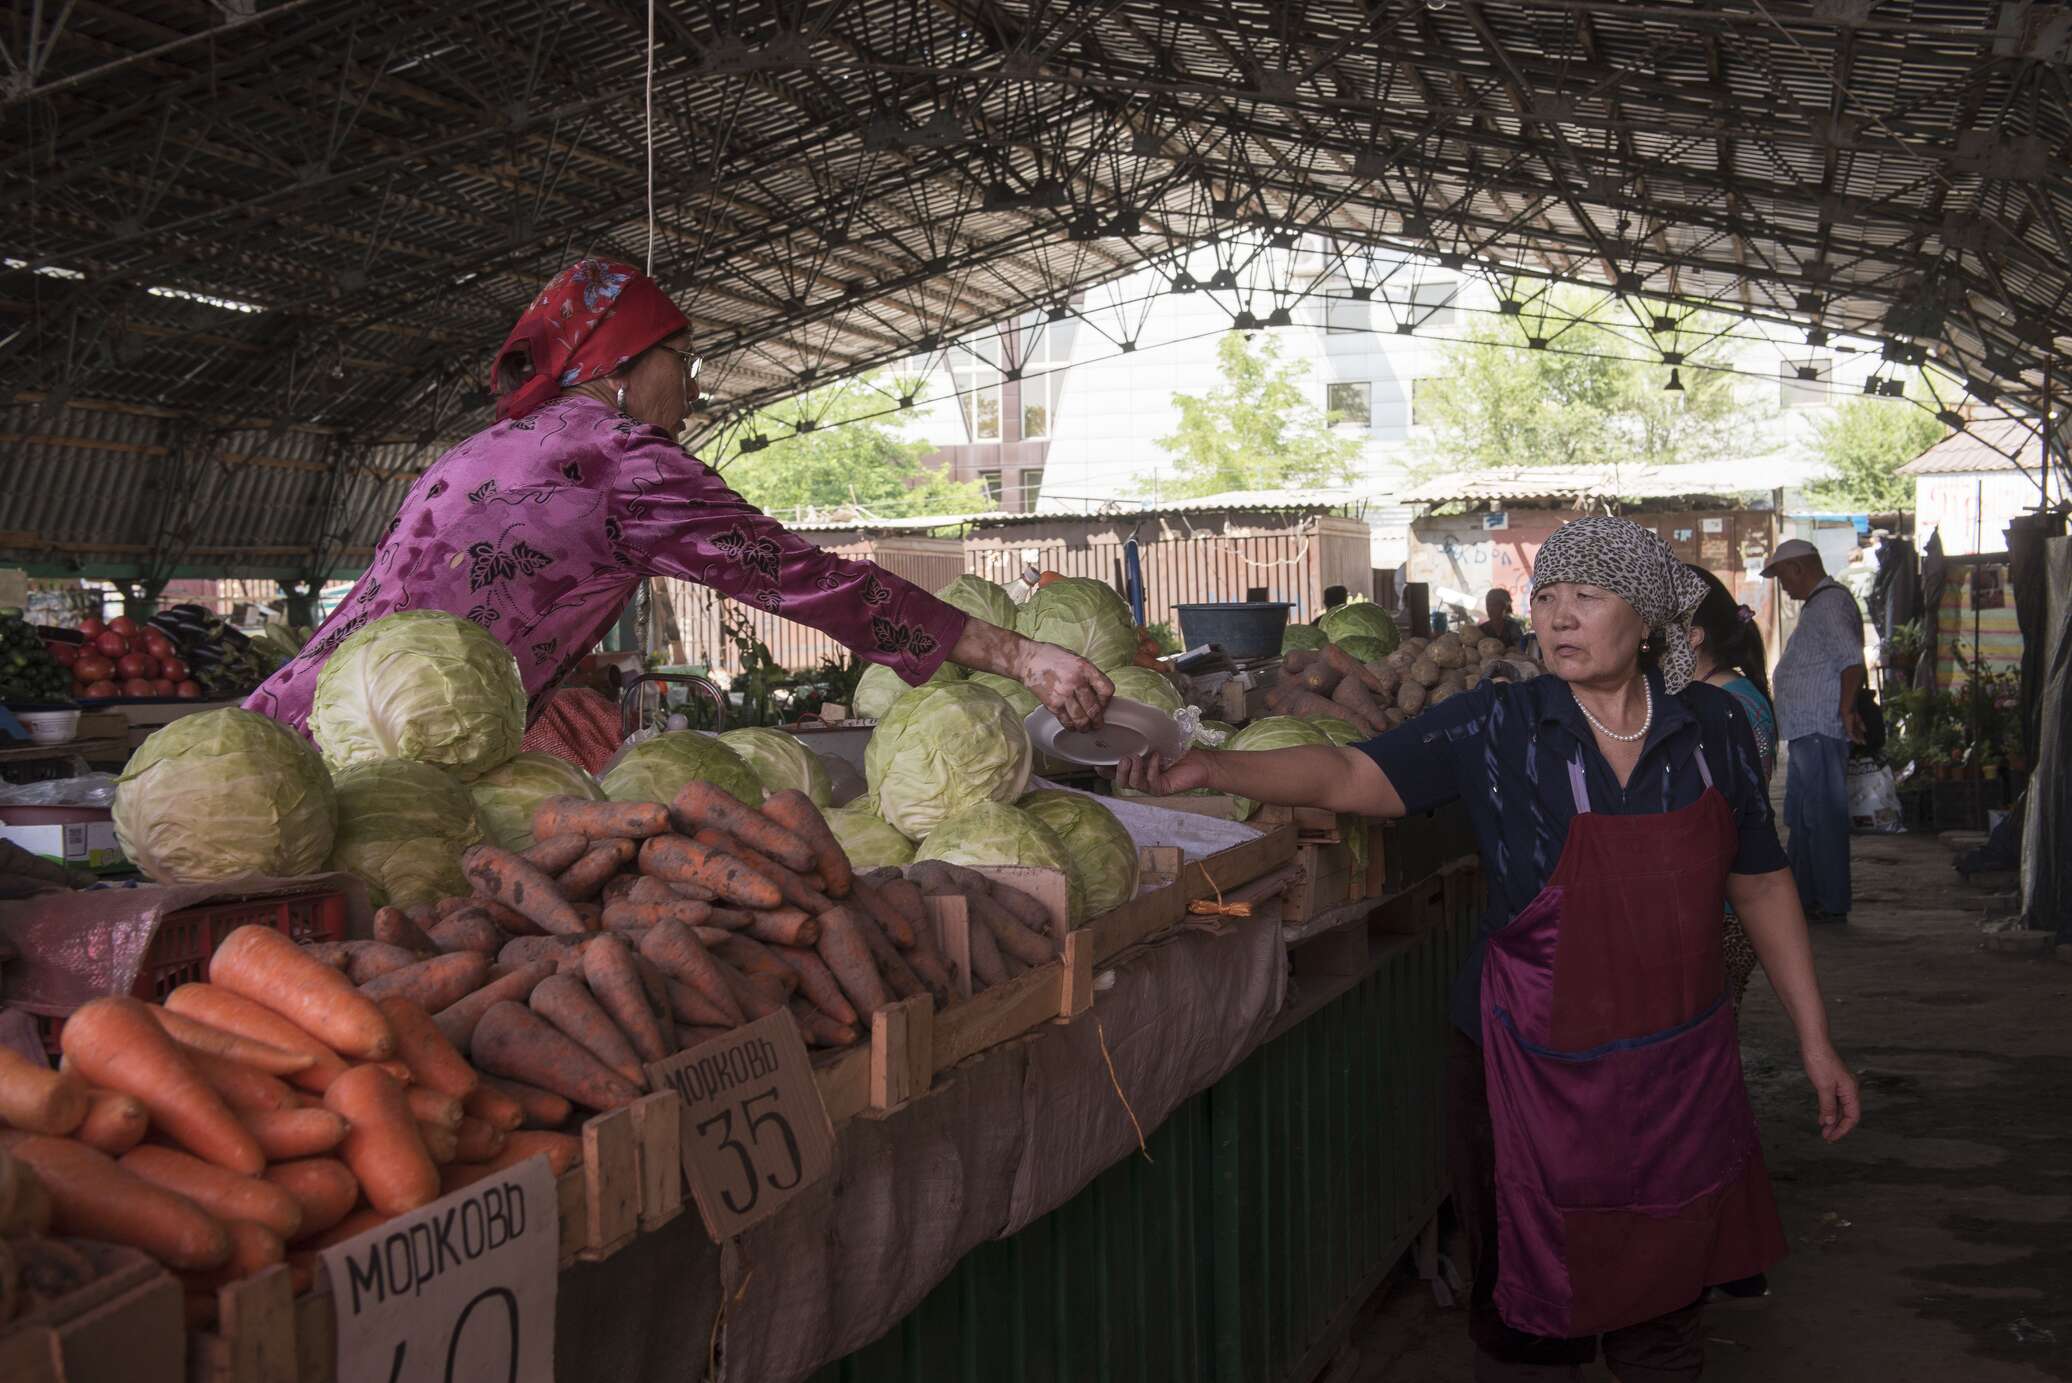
[
  {"x": 328, "y": 212},
  {"x": 1584, "y": 486},
  {"x": 1988, "y": 444}
]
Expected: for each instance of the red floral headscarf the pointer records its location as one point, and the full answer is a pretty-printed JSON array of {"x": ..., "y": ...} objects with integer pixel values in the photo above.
[{"x": 590, "y": 319}]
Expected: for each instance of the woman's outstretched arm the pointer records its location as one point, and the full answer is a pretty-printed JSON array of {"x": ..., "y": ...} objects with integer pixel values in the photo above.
[{"x": 1332, "y": 777}]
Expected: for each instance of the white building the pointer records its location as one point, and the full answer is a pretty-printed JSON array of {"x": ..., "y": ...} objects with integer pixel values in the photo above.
[{"x": 1969, "y": 485}]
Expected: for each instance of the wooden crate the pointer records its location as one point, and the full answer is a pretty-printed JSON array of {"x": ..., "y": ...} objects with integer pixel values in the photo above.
[
  {"x": 1327, "y": 878},
  {"x": 126, "y": 1326}
]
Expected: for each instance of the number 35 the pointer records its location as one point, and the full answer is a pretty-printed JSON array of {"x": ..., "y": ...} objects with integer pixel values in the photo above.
[{"x": 752, "y": 1177}]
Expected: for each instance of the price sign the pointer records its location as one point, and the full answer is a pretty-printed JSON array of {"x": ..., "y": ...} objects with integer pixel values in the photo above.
[
  {"x": 461, "y": 1291},
  {"x": 755, "y": 1133}
]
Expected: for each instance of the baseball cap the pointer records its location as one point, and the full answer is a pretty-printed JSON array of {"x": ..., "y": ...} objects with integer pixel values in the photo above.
[{"x": 1789, "y": 550}]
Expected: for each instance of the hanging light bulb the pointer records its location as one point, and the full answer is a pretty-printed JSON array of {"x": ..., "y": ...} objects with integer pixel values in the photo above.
[{"x": 1675, "y": 384}]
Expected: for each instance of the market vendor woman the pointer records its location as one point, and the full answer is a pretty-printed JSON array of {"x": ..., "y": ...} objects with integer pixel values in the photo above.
[
  {"x": 1605, "y": 1160},
  {"x": 539, "y": 527}
]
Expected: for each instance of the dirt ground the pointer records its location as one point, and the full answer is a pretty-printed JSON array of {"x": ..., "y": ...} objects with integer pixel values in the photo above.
[{"x": 1934, "y": 1245}]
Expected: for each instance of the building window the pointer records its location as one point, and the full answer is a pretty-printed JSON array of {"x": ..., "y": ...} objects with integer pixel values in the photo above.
[
  {"x": 975, "y": 371},
  {"x": 1421, "y": 397},
  {"x": 989, "y": 481},
  {"x": 1804, "y": 383},
  {"x": 1047, "y": 350},
  {"x": 1432, "y": 302},
  {"x": 1345, "y": 315},
  {"x": 1032, "y": 487},
  {"x": 1351, "y": 403}
]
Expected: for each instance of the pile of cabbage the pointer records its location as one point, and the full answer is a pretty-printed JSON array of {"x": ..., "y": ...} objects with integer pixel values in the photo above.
[{"x": 1360, "y": 627}]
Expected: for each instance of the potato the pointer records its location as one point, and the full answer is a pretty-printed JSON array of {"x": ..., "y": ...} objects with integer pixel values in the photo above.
[
  {"x": 1415, "y": 646},
  {"x": 1401, "y": 659},
  {"x": 1447, "y": 655},
  {"x": 1486, "y": 649},
  {"x": 1425, "y": 672},
  {"x": 1449, "y": 687},
  {"x": 1390, "y": 678},
  {"x": 1395, "y": 716},
  {"x": 1410, "y": 697}
]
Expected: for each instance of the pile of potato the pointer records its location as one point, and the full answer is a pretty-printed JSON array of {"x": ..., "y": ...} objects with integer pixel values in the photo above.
[{"x": 1381, "y": 695}]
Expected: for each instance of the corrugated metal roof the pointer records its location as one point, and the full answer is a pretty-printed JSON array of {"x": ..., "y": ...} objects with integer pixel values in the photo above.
[
  {"x": 1582, "y": 485},
  {"x": 1986, "y": 445},
  {"x": 1227, "y": 502}
]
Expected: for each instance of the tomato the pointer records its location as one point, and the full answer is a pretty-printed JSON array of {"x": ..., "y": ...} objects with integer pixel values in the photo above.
[
  {"x": 123, "y": 625},
  {"x": 92, "y": 628},
  {"x": 158, "y": 645},
  {"x": 112, "y": 644},
  {"x": 63, "y": 654},
  {"x": 137, "y": 686},
  {"x": 101, "y": 690},
  {"x": 161, "y": 686},
  {"x": 190, "y": 690},
  {"x": 137, "y": 665},
  {"x": 92, "y": 667},
  {"x": 173, "y": 668}
]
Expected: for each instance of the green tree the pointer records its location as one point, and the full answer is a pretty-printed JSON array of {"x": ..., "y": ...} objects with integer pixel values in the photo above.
[
  {"x": 1588, "y": 398},
  {"x": 850, "y": 455},
  {"x": 1864, "y": 444},
  {"x": 1254, "y": 430}
]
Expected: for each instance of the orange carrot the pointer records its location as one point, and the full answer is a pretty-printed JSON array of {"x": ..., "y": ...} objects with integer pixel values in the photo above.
[
  {"x": 552, "y": 854},
  {"x": 795, "y": 812},
  {"x": 821, "y": 1030},
  {"x": 336, "y": 954},
  {"x": 556, "y": 816},
  {"x": 433, "y": 984},
  {"x": 562, "y": 1150},
  {"x": 114, "y": 1122},
  {"x": 700, "y": 804},
  {"x": 524, "y": 950},
  {"x": 458, "y": 1021},
  {"x": 619, "y": 887},
  {"x": 477, "y": 1140},
  {"x": 324, "y": 1187},
  {"x": 730, "y": 919},
  {"x": 287, "y": 1133},
  {"x": 36, "y": 1099},
  {"x": 247, "y": 1051},
  {"x": 591, "y": 915},
  {"x": 671, "y": 946},
  {"x": 611, "y": 975},
  {"x": 260, "y": 964},
  {"x": 115, "y": 1044},
  {"x": 674, "y": 859},
  {"x": 537, "y": 1107},
  {"x": 847, "y": 952},
  {"x": 903, "y": 927},
  {"x": 433, "y": 1061},
  {"x": 493, "y": 1106},
  {"x": 899, "y": 976},
  {"x": 351, "y": 1226},
  {"x": 94, "y": 1198},
  {"x": 512, "y": 1040},
  {"x": 470, "y": 929},
  {"x": 784, "y": 927},
  {"x": 515, "y": 923},
  {"x": 219, "y": 1008},
  {"x": 791, "y": 888},
  {"x": 584, "y": 879},
  {"x": 655, "y": 985},
  {"x": 501, "y": 875},
  {"x": 432, "y": 1107},
  {"x": 370, "y": 959},
  {"x": 751, "y": 957},
  {"x": 441, "y": 1143},
  {"x": 394, "y": 926},
  {"x": 816, "y": 982},
  {"x": 448, "y": 906},
  {"x": 567, "y": 1003},
  {"x": 629, "y": 916},
  {"x": 226, "y": 1195},
  {"x": 691, "y": 1007},
  {"x": 240, "y": 1087},
  {"x": 423, "y": 914},
  {"x": 253, "y": 1248},
  {"x": 383, "y": 1147},
  {"x": 759, "y": 995}
]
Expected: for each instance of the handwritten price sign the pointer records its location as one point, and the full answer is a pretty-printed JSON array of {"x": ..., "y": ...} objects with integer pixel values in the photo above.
[
  {"x": 754, "y": 1130},
  {"x": 461, "y": 1291}
]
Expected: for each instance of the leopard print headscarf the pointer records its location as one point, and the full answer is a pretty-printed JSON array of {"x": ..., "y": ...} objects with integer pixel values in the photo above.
[{"x": 1634, "y": 564}]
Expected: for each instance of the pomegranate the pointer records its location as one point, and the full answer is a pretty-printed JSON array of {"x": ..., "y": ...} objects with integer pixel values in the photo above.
[
  {"x": 101, "y": 690},
  {"x": 137, "y": 665},
  {"x": 92, "y": 628},
  {"x": 190, "y": 690},
  {"x": 136, "y": 686},
  {"x": 173, "y": 668},
  {"x": 123, "y": 625},
  {"x": 111, "y": 644},
  {"x": 92, "y": 667},
  {"x": 161, "y": 686}
]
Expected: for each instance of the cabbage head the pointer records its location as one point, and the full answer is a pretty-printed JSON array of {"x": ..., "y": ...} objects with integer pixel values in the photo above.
[
  {"x": 880, "y": 686},
  {"x": 942, "y": 749},
  {"x": 1007, "y": 689},
  {"x": 223, "y": 795},
  {"x": 1151, "y": 688},
  {"x": 1339, "y": 732},
  {"x": 1363, "y": 648},
  {"x": 423, "y": 685},
  {"x": 995, "y": 833},
  {"x": 1102, "y": 855},
  {"x": 981, "y": 599},
  {"x": 1084, "y": 616},
  {"x": 1305, "y": 636},
  {"x": 655, "y": 770},
  {"x": 1359, "y": 617},
  {"x": 867, "y": 838},
  {"x": 1272, "y": 732},
  {"x": 506, "y": 795},
  {"x": 401, "y": 829},
  {"x": 781, "y": 761}
]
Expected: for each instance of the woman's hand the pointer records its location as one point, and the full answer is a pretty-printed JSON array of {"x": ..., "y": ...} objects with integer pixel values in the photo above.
[
  {"x": 1074, "y": 689},
  {"x": 1840, "y": 1109},
  {"x": 1147, "y": 773}
]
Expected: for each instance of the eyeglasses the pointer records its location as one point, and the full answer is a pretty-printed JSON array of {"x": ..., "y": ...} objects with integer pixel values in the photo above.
[{"x": 692, "y": 364}]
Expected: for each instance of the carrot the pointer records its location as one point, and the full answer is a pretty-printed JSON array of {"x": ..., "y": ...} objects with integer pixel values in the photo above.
[
  {"x": 591, "y": 915},
  {"x": 629, "y": 916},
  {"x": 394, "y": 926},
  {"x": 821, "y": 1030},
  {"x": 423, "y": 914},
  {"x": 792, "y": 888},
  {"x": 524, "y": 950},
  {"x": 492, "y": 1106},
  {"x": 448, "y": 906},
  {"x": 433, "y": 984},
  {"x": 253, "y": 1248},
  {"x": 458, "y": 1021},
  {"x": 693, "y": 1037},
  {"x": 287, "y": 1133},
  {"x": 671, "y": 946},
  {"x": 467, "y": 930},
  {"x": 848, "y": 954},
  {"x": 433, "y": 1062},
  {"x": 988, "y": 966},
  {"x": 240, "y": 1087},
  {"x": 697, "y": 893},
  {"x": 323, "y": 1186},
  {"x": 584, "y": 879},
  {"x": 1350, "y": 668},
  {"x": 558, "y": 816},
  {"x": 336, "y": 954},
  {"x": 702, "y": 804},
  {"x": 432, "y": 1107},
  {"x": 709, "y": 937},
  {"x": 501, "y": 875},
  {"x": 116, "y": 1045},
  {"x": 816, "y": 982},
  {"x": 901, "y": 926},
  {"x": 94, "y": 1198},
  {"x": 114, "y": 1122},
  {"x": 513, "y": 1041},
  {"x": 562, "y": 1151},
  {"x": 36, "y": 1099},
  {"x": 262, "y": 965},
  {"x": 515, "y": 923},
  {"x": 784, "y": 927},
  {"x": 226, "y": 1195},
  {"x": 540, "y": 1108},
  {"x": 351, "y": 1226},
  {"x": 928, "y": 963},
  {"x": 567, "y": 1003},
  {"x": 692, "y": 1007},
  {"x": 248, "y": 1051},
  {"x": 441, "y": 1144},
  {"x": 477, "y": 1140},
  {"x": 1296, "y": 702},
  {"x": 795, "y": 812},
  {"x": 753, "y": 958},
  {"x": 552, "y": 854},
  {"x": 759, "y": 995},
  {"x": 614, "y": 979},
  {"x": 654, "y": 985},
  {"x": 219, "y": 1008},
  {"x": 371, "y": 959},
  {"x": 383, "y": 1148},
  {"x": 675, "y": 859},
  {"x": 899, "y": 976}
]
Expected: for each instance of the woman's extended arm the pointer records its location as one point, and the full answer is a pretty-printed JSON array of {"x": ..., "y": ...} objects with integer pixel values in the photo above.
[
  {"x": 1074, "y": 689},
  {"x": 1768, "y": 906},
  {"x": 1332, "y": 777}
]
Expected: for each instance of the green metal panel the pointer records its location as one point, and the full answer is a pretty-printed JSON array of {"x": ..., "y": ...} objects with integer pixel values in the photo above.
[{"x": 1269, "y": 1204}]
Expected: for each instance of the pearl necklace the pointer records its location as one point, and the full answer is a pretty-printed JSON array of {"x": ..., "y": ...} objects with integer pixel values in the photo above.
[{"x": 1606, "y": 730}]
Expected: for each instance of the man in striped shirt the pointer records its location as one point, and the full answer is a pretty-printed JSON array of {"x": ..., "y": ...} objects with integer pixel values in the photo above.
[{"x": 1815, "y": 688}]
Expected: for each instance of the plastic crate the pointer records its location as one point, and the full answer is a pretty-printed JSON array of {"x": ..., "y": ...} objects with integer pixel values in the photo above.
[{"x": 185, "y": 940}]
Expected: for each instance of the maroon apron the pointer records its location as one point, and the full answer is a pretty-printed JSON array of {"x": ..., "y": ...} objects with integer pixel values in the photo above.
[{"x": 1628, "y": 1174}]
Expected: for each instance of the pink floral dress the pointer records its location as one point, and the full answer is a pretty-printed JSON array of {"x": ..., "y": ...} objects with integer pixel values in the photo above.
[{"x": 539, "y": 528}]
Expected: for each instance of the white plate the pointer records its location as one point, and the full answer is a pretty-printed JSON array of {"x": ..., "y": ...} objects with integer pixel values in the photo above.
[{"x": 1130, "y": 727}]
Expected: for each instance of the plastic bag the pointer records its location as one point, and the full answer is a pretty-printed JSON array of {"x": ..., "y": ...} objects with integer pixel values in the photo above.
[
  {"x": 1873, "y": 799},
  {"x": 87, "y": 790}
]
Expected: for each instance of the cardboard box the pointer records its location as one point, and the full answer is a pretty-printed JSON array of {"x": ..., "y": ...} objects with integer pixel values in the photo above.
[
  {"x": 83, "y": 837},
  {"x": 14, "y": 586}
]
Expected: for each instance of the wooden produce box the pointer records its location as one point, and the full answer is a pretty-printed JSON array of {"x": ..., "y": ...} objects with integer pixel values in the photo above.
[{"x": 126, "y": 1326}]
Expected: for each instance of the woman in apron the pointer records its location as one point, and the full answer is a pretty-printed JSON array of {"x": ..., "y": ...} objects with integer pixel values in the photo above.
[{"x": 1605, "y": 1161}]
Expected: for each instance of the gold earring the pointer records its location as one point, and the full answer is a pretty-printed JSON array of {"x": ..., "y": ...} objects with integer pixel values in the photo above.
[{"x": 622, "y": 398}]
